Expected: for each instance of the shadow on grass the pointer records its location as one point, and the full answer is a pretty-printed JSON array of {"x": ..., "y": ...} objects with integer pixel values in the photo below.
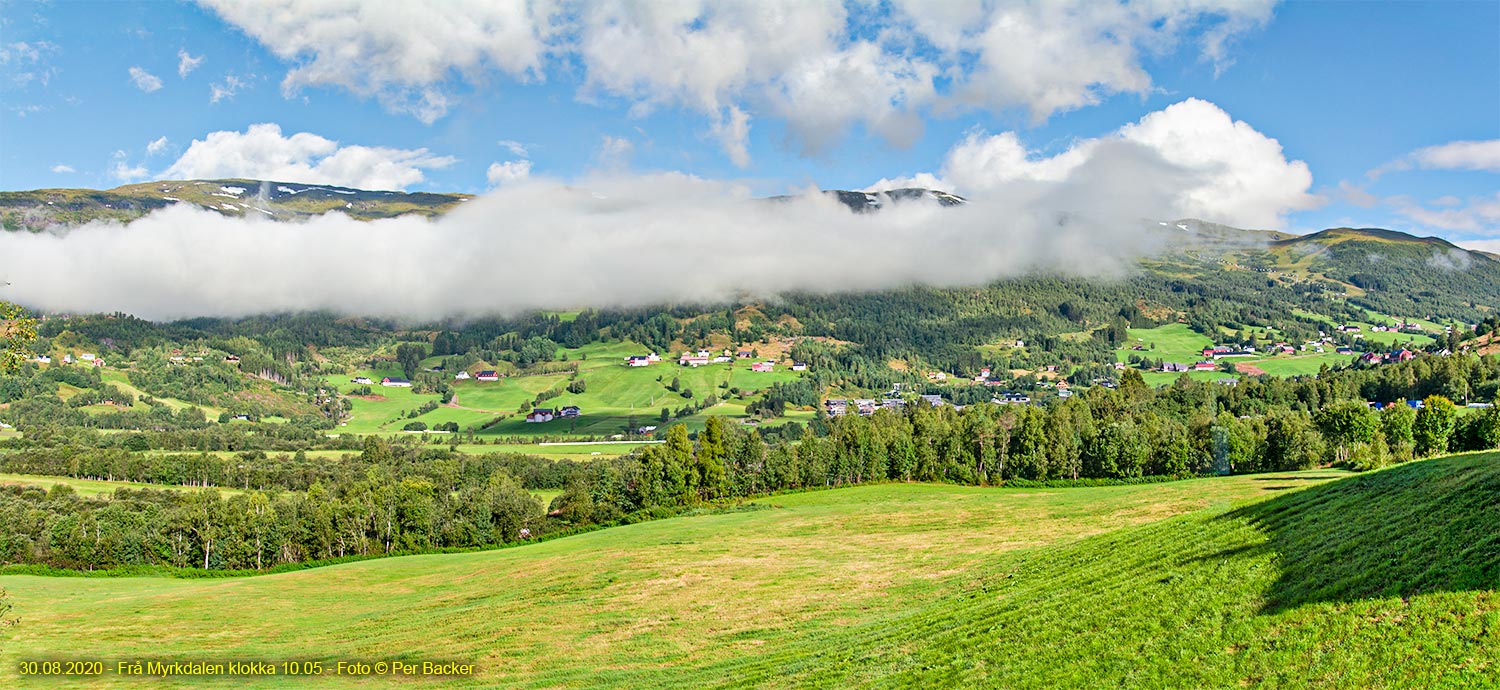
[{"x": 1430, "y": 526}]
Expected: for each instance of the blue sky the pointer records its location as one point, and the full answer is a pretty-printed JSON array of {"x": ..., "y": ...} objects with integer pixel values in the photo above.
[{"x": 1393, "y": 107}]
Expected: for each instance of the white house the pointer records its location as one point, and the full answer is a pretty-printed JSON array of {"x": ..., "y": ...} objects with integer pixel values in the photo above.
[
  {"x": 540, "y": 415},
  {"x": 488, "y": 375},
  {"x": 762, "y": 366},
  {"x": 461, "y": 376},
  {"x": 365, "y": 380},
  {"x": 638, "y": 361},
  {"x": 395, "y": 382}
]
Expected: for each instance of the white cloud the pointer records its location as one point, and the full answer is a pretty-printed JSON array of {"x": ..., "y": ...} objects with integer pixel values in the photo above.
[
  {"x": 615, "y": 152},
  {"x": 1460, "y": 155},
  {"x": 125, "y": 172},
  {"x": 821, "y": 65},
  {"x": 1457, "y": 155},
  {"x": 261, "y": 152},
  {"x": 227, "y": 88},
  {"x": 144, "y": 80},
  {"x": 1491, "y": 246},
  {"x": 403, "y": 53},
  {"x": 1479, "y": 214},
  {"x": 1220, "y": 169},
  {"x": 186, "y": 261},
  {"x": 26, "y": 62},
  {"x": 508, "y": 172},
  {"x": 187, "y": 63},
  {"x": 157, "y": 146},
  {"x": 61, "y": 168},
  {"x": 515, "y": 148},
  {"x": 1357, "y": 195}
]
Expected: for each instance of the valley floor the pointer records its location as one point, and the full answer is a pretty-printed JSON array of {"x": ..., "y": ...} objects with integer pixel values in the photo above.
[{"x": 1311, "y": 579}]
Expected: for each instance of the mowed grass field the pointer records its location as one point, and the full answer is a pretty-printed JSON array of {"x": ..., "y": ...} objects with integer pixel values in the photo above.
[
  {"x": 614, "y": 396},
  {"x": 1178, "y": 343},
  {"x": 1314, "y": 579}
]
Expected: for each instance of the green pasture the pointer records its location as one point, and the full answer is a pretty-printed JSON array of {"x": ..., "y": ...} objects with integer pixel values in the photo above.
[{"x": 1311, "y": 580}]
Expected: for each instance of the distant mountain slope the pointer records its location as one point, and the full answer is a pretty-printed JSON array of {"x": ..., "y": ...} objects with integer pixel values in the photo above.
[
  {"x": 42, "y": 208},
  {"x": 861, "y": 202}
]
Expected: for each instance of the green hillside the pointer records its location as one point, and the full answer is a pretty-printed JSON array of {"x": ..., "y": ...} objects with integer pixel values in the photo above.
[{"x": 1311, "y": 579}]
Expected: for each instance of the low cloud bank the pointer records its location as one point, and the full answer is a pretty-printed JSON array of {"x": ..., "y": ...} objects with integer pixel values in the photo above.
[{"x": 607, "y": 241}]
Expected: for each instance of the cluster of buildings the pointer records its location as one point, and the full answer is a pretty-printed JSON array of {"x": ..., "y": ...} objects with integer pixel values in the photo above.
[
  {"x": 87, "y": 357},
  {"x": 1402, "y": 355},
  {"x": 867, "y": 406},
  {"x": 703, "y": 357},
  {"x": 542, "y": 414}
]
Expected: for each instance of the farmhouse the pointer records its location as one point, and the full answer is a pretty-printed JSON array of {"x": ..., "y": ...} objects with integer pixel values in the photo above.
[
  {"x": 637, "y": 361},
  {"x": 461, "y": 376},
  {"x": 692, "y": 361},
  {"x": 363, "y": 380},
  {"x": 933, "y": 400},
  {"x": 653, "y": 358},
  {"x": 1372, "y": 358},
  {"x": 395, "y": 382},
  {"x": 1402, "y": 355},
  {"x": 1174, "y": 367},
  {"x": 722, "y": 358},
  {"x": 1226, "y": 351},
  {"x": 87, "y": 357},
  {"x": 1012, "y": 399},
  {"x": 743, "y": 354},
  {"x": 67, "y": 359},
  {"x": 488, "y": 375},
  {"x": 42, "y": 359},
  {"x": 799, "y": 366},
  {"x": 762, "y": 366},
  {"x": 1345, "y": 350},
  {"x": 570, "y": 411},
  {"x": 539, "y": 415},
  {"x": 1205, "y": 366}
]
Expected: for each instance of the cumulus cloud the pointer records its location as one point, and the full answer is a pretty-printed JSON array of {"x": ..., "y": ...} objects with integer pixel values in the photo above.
[
  {"x": 187, "y": 63},
  {"x": 126, "y": 172},
  {"x": 156, "y": 146},
  {"x": 1227, "y": 171},
  {"x": 822, "y": 66},
  {"x": 185, "y": 261},
  {"x": 61, "y": 168},
  {"x": 403, "y": 53},
  {"x": 508, "y": 172},
  {"x": 144, "y": 80},
  {"x": 262, "y": 152}
]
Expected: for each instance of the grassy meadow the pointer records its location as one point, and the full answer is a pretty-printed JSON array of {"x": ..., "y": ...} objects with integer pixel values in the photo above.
[
  {"x": 614, "y": 395},
  {"x": 1309, "y": 579}
]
